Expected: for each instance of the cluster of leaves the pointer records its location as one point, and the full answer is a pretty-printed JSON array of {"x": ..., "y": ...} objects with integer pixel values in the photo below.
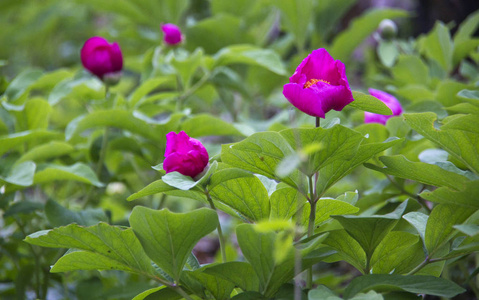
[{"x": 72, "y": 152}]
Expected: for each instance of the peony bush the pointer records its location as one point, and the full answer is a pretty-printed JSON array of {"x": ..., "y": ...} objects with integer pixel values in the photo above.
[{"x": 183, "y": 164}]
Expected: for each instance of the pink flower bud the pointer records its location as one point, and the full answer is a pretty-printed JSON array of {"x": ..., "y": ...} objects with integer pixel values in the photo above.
[
  {"x": 390, "y": 102},
  {"x": 318, "y": 85},
  {"x": 184, "y": 155},
  {"x": 171, "y": 34},
  {"x": 100, "y": 57}
]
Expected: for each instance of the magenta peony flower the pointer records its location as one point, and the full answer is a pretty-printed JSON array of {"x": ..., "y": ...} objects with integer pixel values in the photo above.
[
  {"x": 101, "y": 58},
  {"x": 184, "y": 155},
  {"x": 318, "y": 85},
  {"x": 390, "y": 102},
  {"x": 171, "y": 34}
]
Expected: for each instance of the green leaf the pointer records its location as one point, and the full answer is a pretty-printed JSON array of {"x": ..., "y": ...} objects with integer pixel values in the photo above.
[
  {"x": 186, "y": 64},
  {"x": 58, "y": 215},
  {"x": 261, "y": 153},
  {"x": 84, "y": 87},
  {"x": 322, "y": 293},
  {"x": 251, "y": 55},
  {"x": 285, "y": 202},
  {"x": 297, "y": 16},
  {"x": 467, "y": 28},
  {"x": 158, "y": 187},
  {"x": 462, "y": 145},
  {"x": 21, "y": 174},
  {"x": 37, "y": 114},
  {"x": 11, "y": 141},
  {"x": 469, "y": 123},
  {"x": 179, "y": 181},
  {"x": 411, "y": 70},
  {"x": 78, "y": 172},
  {"x": 332, "y": 173},
  {"x": 246, "y": 195},
  {"x": 103, "y": 247},
  {"x": 465, "y": 197},
  {"x": 439, "y": 228},
  {"x": 147, "y": 87},
  {"x": 22, "y": 207},
  {"x": 419, "y": 221},
  {"x": 121, "y": 119},
  {"x": 206, "y": 125},
  {"x": 359, "y": 29},
  {"x": 240, "y": 273},
  {"x": 220, "y": 288},
  {"x": 348, "y": 249},
  {"x": 46, "y": 151},
  {"x": 470, "y": 96},
  {"x": 383, "y": 260},
  {"x": 399, "y": 166},
  {"x": 369, "y": 103},
  {"x": 387, "y": 52},
  {"x": 417, "y": 284},
  {"x": 336, "y": 143},
  {"x": 227, "y": 174},
  {"x": 438, "y": 46},
  {"x": 168, "y": 238},
  {"x": 260, "y": 249},
  {"x": 22, "y": 84},
  {"x": 463, "y": 49},
  {"x": 370, "y": 231},
  {"x": 326, "y": 208}
]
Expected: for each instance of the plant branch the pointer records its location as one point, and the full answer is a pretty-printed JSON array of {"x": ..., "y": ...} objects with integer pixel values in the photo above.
[{"x": 218, "y": 228}]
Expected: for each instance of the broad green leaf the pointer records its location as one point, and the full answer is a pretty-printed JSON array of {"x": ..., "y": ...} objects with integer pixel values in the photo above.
[
  {"x": 332, "y": 173},
  {"x": 102, "y": 247},
  {"x": 387, "y": 52},
  {"x": 469, "y": 123},
  {"x": 240, "y": 273},
  {"x": 419, "y": 221},
  {"x": 438, "y": 46},
  {"x": 251, "y": 55},
  {"x": 322, "y": 293},
  {"x": 58, "y": 215},
  {"x": 128, "y": 9},
  {"x": 37, "y": 113},
  {"x": 465, "y": 197},
  {"x": 416, "y": 92},
  {"x": 369, "y": 103},
  {"x": 326, "y": 208},
  {"x": 147, "y": 87},
  {"x": 462, "y": 145},
  {"x": 467, "y": 28},
  {"x": 370, "y": 231},
  {"x": 348, "y": 249},
  {"x": 261, "y": 153},
  {"x": 22, "y": 207},
  {"x": 206, "y": 125},
  {"x": 46, "y": 151},
  {"x": 246, "y": 195},
  {"x": 259, "y": 249},
  {"x": 160, "y": 293},
  {"x": 77, "y": 172},
  {"x": 383, "y": 259},
  {"x": 227, "y": 174},
  {"x": 21, "y": 174},
  {"x": 217, "y": 32},
  {"x": 470, "y": 96},
  {"x": 179, "y": 181},
  {"x": 285, "y": 202},
  {"x": 22, "y": 83},
  {"x": 83, "y": 87},
  {"x": 220, "y": 288},
  {"x": 359, "y": 29},
  {"x": 121, "y": 119},
  {"x": 411, "y": 70},
  {"x": 463, "y": 49},
  {"x": 158, "y": 187},
  {"x": 336, "y": 143},
  {"x": 296, "y": 15},
  {"x": 186, "y": 64},
  {"x": 11, "y": 141},
  {"x": 439, "y": 228},
  {"x": 417, "y": 284},
  {"x": 399, "y": 166},
  {"x": 168, "y": 238}
]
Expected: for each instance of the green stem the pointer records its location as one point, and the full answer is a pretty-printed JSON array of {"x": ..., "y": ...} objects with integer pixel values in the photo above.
[
  {"x": 419, "y": 267},
  {"x": 36, "y": 258},
  {"x": 191, "y": 90},
  {"x": 312, "y": 219},
  {"x": 220, "y": 232},
  {"x": 182, "y": 293}
]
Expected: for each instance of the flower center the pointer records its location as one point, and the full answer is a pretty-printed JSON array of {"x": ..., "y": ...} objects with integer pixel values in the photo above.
[{"x": 313, "y": 82}]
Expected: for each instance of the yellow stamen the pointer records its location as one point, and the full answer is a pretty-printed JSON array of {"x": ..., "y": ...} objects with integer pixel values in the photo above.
[{"x": 313, "y": 82}]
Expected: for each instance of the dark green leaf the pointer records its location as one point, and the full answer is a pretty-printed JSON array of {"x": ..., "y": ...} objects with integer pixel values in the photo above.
[{"x": 78, "y": 172}]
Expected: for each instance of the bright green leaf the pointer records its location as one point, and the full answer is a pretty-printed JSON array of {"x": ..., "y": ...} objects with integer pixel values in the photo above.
[
  {"x": 77, "y": 172},
  {"x": 369, "y": 103}
]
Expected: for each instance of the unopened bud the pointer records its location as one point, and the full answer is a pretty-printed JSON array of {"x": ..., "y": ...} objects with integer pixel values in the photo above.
[{"x": 387, "y": 29}]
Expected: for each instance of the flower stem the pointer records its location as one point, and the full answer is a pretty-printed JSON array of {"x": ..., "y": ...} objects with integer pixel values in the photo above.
[
  {"x": 312, "y": 219},
  {"x": 218, "y": 228},
  {"x": 318, "y": 122}
]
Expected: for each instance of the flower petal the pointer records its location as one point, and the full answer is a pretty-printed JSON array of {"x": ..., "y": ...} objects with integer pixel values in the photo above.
[{"x": 306, "y": 100}]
